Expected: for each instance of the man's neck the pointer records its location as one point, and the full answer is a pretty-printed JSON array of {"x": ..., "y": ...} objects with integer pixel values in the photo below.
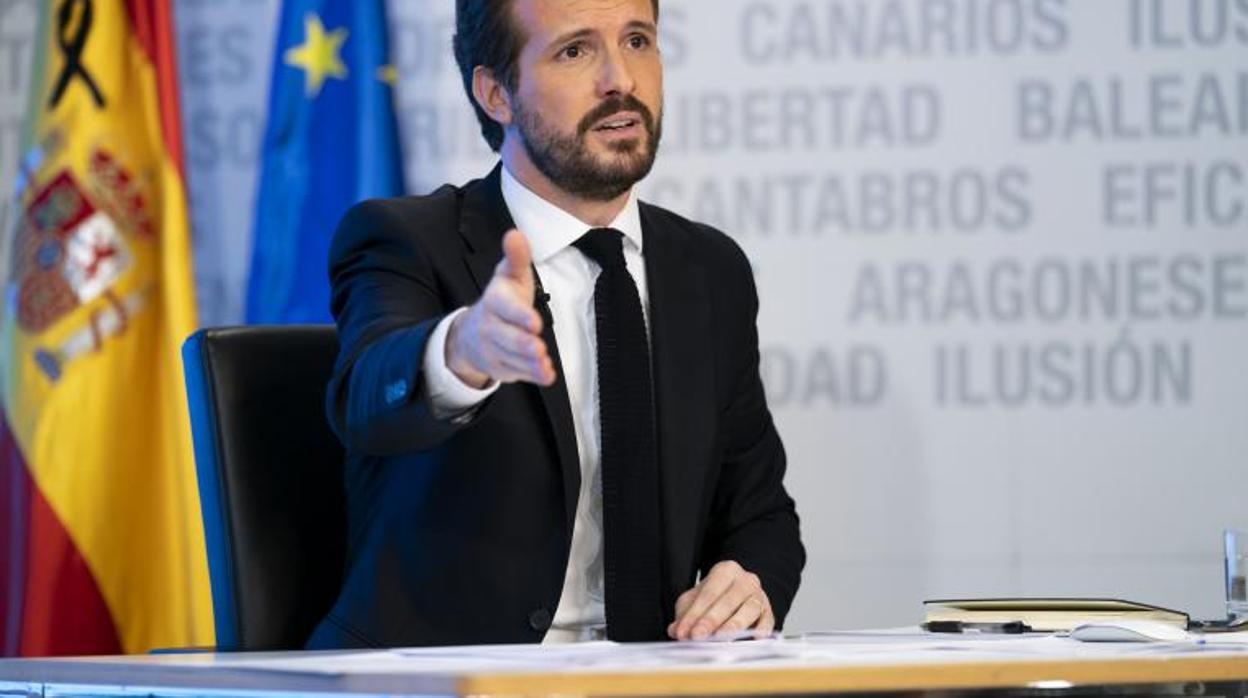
[{"x": 590, "y": 212}]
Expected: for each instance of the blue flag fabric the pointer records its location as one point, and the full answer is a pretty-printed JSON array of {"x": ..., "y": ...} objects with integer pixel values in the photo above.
[{"x": 331, "y": 140}]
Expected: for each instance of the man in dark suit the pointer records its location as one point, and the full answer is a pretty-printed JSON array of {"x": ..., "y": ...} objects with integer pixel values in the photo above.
[{"x": 560, "y": 433}]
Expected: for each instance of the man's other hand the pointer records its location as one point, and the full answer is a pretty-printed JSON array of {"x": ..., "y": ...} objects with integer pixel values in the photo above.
[
  {"x": 499, "y": 337},
  {"x": 728, "y": 599}
]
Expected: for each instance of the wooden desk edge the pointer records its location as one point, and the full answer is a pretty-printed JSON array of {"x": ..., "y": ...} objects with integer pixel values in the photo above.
[{"x": 970, "y": 675}]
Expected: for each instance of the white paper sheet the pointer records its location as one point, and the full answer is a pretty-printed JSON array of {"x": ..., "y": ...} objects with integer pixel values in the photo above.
[{"x": 844, "y": 648}]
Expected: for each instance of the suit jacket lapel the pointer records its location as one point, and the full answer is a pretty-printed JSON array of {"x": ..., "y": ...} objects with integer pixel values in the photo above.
[
  {"x": 483, "y": 221},
  {"x": 683, "y": 360}
]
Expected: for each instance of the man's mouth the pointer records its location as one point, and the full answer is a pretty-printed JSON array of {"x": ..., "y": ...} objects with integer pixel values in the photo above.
[{"x": 617, "y": 123}]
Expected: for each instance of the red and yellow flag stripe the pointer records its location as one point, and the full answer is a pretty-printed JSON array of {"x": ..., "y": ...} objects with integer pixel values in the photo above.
[{"x": 103, "y": 548}]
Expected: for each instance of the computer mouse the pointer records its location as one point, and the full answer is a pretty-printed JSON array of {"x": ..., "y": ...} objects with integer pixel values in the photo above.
[{"x": 1129, "y": 631}]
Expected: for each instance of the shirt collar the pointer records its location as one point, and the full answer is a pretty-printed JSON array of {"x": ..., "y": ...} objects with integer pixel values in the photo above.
[{"x": 550, "y": 229}]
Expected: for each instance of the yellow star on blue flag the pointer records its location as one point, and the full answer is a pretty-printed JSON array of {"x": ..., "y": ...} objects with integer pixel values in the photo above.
[
  {"x": 318, "y": 55},
  {"x": 310, "y": 174}
]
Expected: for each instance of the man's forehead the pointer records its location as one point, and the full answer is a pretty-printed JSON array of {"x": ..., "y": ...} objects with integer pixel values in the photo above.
[{"x": 550, "y": 18}]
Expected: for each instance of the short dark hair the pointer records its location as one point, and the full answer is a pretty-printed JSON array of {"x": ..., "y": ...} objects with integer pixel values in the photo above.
[{"x": 485, "y": 35}]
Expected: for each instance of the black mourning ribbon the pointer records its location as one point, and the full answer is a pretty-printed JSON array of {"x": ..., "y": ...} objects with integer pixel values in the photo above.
[
  {"x": 71, "y": 49},
  {"x": 632, "y": 542}
]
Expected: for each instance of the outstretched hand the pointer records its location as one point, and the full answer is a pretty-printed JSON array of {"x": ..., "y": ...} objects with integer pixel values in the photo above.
[{"x": 500, "y": 336}]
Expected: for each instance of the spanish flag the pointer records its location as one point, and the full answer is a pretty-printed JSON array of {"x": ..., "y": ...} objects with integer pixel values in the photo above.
[{"x": 100, "y": 532}]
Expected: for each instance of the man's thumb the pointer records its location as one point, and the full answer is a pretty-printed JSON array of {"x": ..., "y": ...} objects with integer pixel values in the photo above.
[{"x": 517, "y": 259}]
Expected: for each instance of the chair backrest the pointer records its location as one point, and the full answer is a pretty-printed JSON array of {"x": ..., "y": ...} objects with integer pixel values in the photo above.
[{"x": 270, "y": 479}]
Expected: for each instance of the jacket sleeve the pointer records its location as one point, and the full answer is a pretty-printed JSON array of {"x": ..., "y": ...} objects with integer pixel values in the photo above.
[
  {"x": 386, "y": 302},
  {"x": 753, "y": 520}
]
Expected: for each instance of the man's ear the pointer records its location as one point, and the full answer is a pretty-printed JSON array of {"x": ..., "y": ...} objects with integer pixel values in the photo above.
[{"x": 491, "y": 95}]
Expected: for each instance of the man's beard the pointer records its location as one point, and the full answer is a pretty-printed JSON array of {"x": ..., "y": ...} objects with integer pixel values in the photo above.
[{"x": 567, "y": 162}]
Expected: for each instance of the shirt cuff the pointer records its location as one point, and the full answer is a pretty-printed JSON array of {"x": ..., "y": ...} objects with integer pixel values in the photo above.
[{"x": 448, "y": 396}]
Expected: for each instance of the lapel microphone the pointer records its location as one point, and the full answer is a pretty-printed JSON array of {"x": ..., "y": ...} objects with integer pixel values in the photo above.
[{"x": 542, "y": 300}]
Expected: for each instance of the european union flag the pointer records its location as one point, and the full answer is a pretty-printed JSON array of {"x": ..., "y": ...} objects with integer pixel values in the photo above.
[{"x": 331, "y": 140}]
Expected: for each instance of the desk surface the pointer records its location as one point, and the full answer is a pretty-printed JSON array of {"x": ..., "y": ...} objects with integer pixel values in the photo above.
[{"x": 795, "y": 667}]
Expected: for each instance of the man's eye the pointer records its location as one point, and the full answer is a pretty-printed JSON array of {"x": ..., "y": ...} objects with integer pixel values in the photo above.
[
  {"x": 638, "y": 41},
  {"x": 573, "y": 51}
]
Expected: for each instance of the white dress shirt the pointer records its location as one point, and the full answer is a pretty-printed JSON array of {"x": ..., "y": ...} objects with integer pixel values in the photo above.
[{"x": 568, "y": 276}]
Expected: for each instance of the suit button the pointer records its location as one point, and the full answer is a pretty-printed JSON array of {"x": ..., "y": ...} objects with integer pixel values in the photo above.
[
  {"x": 540, "y": 620},
  {"x": 396, "y": 391}
]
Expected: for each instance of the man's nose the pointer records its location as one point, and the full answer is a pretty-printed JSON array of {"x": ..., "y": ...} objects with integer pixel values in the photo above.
[{"x": 615, "y": 78}]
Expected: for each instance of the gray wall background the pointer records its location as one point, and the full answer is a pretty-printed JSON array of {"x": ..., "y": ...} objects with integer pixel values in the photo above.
[{"x": 1001, "y": 246}]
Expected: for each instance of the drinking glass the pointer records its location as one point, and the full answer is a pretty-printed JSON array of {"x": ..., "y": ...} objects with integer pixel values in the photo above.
[{"x": 1236, "y": 556}]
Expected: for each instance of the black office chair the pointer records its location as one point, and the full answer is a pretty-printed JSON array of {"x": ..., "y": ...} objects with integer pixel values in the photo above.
[{"x": 270, "y": 479}]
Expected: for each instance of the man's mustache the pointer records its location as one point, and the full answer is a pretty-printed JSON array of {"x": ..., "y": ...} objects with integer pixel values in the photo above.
[{"x": 615, "y": 105}]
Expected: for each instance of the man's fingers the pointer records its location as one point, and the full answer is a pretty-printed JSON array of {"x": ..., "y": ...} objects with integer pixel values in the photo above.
[
  {"x": 533, "y": 366},
  {"x": 526, "y": 351},
  {"x": 515, "y": 340},
  {"x": 506, "y": 304},
  {"x": 709, "y": 591},
  {"x": 517, "y": 259},
  {"x": 746, "y": 615},
  {"x": 507, "y": 368},
  {"x": 725, "y": 607},
  {"x": 684, "y": 601},
  {"x": 767, "y": 623},
  {"x": 682, "y": 605}
]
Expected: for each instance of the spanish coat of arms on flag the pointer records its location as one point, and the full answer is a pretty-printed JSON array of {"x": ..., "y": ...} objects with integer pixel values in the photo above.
[{"x": 104, "y": 550}]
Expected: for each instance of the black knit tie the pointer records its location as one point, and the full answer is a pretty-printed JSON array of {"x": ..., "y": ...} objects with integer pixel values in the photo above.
[{"x": 630, "y": 470}]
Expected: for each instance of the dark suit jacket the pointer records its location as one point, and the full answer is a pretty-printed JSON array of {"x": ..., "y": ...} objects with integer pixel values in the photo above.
[{"x": 459, "y": 530}]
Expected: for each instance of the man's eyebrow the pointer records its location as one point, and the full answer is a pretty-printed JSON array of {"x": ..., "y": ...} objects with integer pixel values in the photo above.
[
  {"x": 642, "y": 25},
  {"x": 633, "y": 25},
  {"x": 572, "y": 35}
]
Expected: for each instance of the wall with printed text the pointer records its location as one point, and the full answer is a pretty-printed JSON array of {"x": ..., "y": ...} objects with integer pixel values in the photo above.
[{"x": 1001, "y": 248}]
